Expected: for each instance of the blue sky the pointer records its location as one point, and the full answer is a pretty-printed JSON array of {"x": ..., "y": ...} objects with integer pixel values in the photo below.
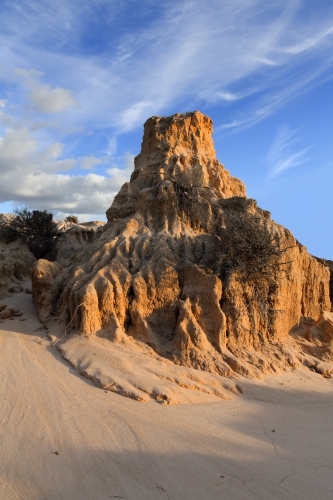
[{"x": 79, "y": 78}]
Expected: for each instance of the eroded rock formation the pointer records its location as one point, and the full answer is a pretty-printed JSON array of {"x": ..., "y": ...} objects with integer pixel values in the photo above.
[
  {"x": 73, "y": 237},
  {"x": 152, "y": 275}
]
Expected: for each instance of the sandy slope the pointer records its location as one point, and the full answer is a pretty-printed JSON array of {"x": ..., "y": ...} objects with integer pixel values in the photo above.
[{"x": 61, "y": 437}]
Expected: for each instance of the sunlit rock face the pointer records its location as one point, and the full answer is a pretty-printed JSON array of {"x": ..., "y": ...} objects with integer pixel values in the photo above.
[
  {"x": 150, "y": 277},
  {"x": 178, "y": 148}
]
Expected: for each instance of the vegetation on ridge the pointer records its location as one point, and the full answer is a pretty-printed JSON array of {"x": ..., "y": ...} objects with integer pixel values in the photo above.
[
  {"x": 36, "y": 228},
  {"x": 247, "y": 245},
  {"x": 72, "y": 218}
]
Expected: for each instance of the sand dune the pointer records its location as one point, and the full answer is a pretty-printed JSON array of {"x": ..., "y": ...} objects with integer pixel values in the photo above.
[{"x": 63, "y": 438}]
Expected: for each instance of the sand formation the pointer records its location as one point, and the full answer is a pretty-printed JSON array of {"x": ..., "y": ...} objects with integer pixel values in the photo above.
[
  {"x": 16, "y": 260},
  {"x": 154, "y": 276},
  {"x": 73, "y": 237}
]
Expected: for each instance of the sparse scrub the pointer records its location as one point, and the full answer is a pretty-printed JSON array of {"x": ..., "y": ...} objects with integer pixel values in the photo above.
[
  {"x": 245, "y": 243},
  {"x": 72, "y": 218},
  {"x": 36, "y": 228},
  {"x": 248, "y": 246}
]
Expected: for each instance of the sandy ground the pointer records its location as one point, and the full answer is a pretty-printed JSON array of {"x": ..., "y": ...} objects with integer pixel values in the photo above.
[{"x": 61, "y": 437}]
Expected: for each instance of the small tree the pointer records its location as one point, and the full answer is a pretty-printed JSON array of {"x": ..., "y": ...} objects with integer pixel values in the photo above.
[
  {"x": 244, "y": 245},
  {"x": 248, "y": 246},
  {"x": 72, "y": 218},
  {"x": 36, "y": 228},
  {"x": 245, "y": 241}
]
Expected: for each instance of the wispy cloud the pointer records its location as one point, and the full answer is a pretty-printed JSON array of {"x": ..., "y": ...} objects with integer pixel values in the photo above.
[
  {"x": 277, "y": 94},
  {"x": 249, "y": 56},
  {"x": 221, "y": 49},
  {"x": 284, "y": 153},
  {"x": 90, "y": 162}
]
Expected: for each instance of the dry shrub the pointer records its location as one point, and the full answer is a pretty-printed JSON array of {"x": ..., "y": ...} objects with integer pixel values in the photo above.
[
  {"x": 248, "y": 246},
  {"x": 72, "y": 218},
  {"x": 192, "y": 206},
  {"x": 36, "y": 228}
]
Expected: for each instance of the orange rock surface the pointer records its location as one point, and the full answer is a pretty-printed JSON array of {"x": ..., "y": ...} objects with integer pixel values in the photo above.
[{"x": 149, "y": 276}]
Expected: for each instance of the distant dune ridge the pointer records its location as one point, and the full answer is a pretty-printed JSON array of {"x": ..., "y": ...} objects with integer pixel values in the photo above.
[{"x": 148, "y": 281}]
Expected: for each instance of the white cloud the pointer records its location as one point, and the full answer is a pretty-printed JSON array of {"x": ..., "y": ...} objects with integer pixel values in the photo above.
[
  {"x": 230, "y": 125},
  {"x": 309, "y": 42},
  {"x": 47, "y": 100},
  {"x": 90, "y": 162},
  {"x": 20, "y": 153},
  {"x": 53, "y": 151},
  {"x": 15, "y": 146},
  {"x": 283, "y": 153},
  {"x": 189, "y": 52},
  {"x": 28, "y": 73},
  {"x": 134, "y": 114},
  {"x": 267, "y": 104},
  {"x": 3, "y": 103},
  {"x": 111, "y": 147},
  {"x": 29, "y": 174},
  {"x": 129, "y": 161},
  {"x": 66, "y": 193},
  {"x": 83, "y": 217},
  {"x": 226, "y": 96}
]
